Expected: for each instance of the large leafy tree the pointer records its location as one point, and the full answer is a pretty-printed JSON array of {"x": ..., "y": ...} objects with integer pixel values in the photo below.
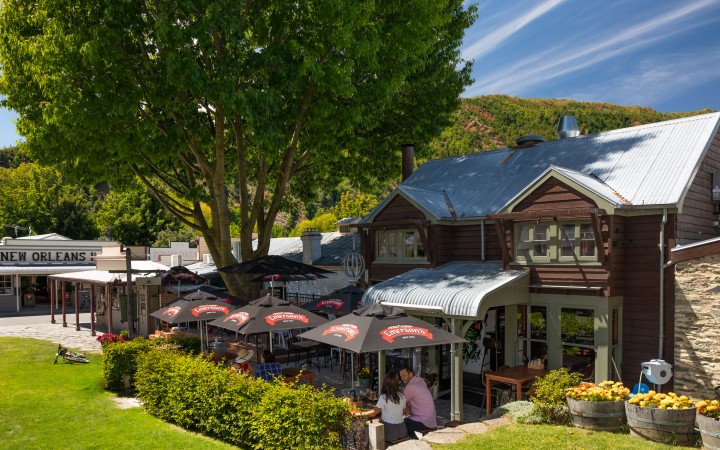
[
  {"x": 134, "y": 217},
  {"x": 37, "y": 198},
  {"x": 230, "y": 103}
]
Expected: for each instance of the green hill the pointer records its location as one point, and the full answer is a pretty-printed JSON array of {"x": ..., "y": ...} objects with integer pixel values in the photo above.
[{"x": 496, "y": 121}]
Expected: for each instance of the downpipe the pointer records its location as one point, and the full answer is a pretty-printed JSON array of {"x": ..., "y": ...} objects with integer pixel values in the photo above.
[{"x": 661, "y": 246}]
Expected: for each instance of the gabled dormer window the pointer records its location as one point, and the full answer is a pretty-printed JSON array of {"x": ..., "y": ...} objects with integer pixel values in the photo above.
[
  {"x": 399, "y": 246},
  {"x": 555, "y": 242}
]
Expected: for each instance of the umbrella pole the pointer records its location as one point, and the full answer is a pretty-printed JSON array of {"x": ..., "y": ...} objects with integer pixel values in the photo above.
[{"x": 270, "y": 340}]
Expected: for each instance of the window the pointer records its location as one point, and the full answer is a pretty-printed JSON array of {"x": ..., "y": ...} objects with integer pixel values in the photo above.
[
  {"x": 532, "y": 332},
  {"x": 399, "y": 246},
  {"x": 6, "y": 285},
  {"x": 555, "y": 242},
  {"x": 577, "y": 333}
]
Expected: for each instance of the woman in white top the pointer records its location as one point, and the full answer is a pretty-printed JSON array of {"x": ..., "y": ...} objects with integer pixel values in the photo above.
[{"x": 391, "y": 404}]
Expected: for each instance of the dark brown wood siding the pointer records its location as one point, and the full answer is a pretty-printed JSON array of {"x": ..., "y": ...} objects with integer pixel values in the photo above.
[
  {"x": 641, "y": 294},
  {"x": 696, "y": 223},
  {"x": 464, "y": 243},
  {"x": 399, "y": 208},
  {"x": 552, "y": 194}
]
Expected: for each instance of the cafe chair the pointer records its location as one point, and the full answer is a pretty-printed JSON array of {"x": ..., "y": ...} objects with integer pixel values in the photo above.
[
  {"x": 324, "y": 352},
  {"x": 295, "y": 352},
  {"x": 498, "y": 389}
]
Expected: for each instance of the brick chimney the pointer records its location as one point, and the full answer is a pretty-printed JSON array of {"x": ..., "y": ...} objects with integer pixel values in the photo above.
[
  {"x": 312, "y": 250},
  {"x": 408, "y": 160}
]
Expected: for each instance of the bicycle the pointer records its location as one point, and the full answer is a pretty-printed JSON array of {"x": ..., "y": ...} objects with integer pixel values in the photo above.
[{"x": 71, "y": 357}]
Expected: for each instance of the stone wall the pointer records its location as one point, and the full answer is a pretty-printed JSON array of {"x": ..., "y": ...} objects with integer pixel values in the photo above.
[{"x": 697, "y": 327}]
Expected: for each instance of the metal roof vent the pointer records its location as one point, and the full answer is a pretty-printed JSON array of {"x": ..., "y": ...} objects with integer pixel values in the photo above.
[
  {"x": 567, "y": 127},
  {"x": 529, "y": 140}
]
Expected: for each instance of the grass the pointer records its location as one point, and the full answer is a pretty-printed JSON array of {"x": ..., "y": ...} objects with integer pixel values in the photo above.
[
  {"x": 550, "y": 437},
  {"x": 46, "y": 406}
]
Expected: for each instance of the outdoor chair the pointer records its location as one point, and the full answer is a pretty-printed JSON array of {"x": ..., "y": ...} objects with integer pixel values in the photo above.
[{"x": 324, "y": 352}]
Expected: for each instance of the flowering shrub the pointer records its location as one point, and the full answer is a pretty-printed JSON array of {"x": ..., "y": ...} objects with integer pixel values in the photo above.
[
  {"x": 109, "y": 338},
  {"x": 654, "y": 399},
  {"x": 709, "y": 408},
  {"x": 363, "y": 373},
  {"x": 607, "y": 391}
]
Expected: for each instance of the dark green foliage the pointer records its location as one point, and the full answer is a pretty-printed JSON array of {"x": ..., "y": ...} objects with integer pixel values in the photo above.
[
  {"x": 121, "y": 357},
  {"x": 549, "y": 396},
  {"x": 251, "y": 413}
]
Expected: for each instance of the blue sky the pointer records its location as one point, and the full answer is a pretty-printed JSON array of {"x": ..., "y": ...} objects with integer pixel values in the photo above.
[{"x": 664, "y": 54}]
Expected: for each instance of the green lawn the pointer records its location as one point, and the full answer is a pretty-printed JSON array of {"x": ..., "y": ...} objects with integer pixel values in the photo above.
[
  {"x": 550, "y": 437},
  {"x": 46, "y": 406}
]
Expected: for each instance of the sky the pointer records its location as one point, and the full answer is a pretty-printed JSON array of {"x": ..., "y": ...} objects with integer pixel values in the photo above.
[{"x": 664, "y": 54}]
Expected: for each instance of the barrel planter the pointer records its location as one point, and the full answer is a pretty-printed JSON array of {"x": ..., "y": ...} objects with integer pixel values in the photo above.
[
  {"x": 710, "y": 432},
  {"x": 597, "y": 416},
  {"x": 667, "y": 426}
]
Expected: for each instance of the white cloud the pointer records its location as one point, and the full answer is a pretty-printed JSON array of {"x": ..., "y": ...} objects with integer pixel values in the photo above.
[
  {"x": 490, "y": 41},
  {"x": 656, "y": 79},
  {"x": 561, "y": 60}
]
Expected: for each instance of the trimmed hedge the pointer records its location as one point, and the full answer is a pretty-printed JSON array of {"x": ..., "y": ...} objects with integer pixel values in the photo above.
[
  {"x": 242, "y": 410},
  {"x": 120, "y": 357}
]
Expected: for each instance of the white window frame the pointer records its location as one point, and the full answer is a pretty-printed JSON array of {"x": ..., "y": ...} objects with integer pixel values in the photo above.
[
  {"x": 6, "y": 285},
  {"x": 385, "y": 240},
  {"x": 527, "y": 244}
]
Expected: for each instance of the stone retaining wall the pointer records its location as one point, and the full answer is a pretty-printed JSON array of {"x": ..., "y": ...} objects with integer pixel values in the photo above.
[{"x": 697, "y": 327}]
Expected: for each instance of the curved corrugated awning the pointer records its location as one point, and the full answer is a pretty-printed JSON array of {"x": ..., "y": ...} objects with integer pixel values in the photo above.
[{"x": 458, "y": 289}]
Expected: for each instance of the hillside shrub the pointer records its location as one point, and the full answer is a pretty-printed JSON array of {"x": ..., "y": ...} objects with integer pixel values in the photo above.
[
  {"x": 242, "y": 410},
  {"x": 549, "y": 398}
]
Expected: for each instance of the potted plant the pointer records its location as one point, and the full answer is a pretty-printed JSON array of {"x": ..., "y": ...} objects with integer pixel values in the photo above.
[
  {"x": 708, "y": 419},
  {"x": 599, "y": 407},
  {"x": 363, "y": 376},
  {"x": 659, "y": 417}
]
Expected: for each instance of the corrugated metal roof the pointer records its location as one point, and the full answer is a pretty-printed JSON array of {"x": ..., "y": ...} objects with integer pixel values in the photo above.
[
  {"x": 334, "y": 245},
  {"x": 647, "y": 165},
  {"x": 457, "y": 287}
]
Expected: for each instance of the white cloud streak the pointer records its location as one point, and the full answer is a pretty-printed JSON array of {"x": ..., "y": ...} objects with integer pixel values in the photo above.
[
  {"x": 662, "y": 79},
  {"x": 490, "y": 41},
  {"x": 557, "y": 61}
]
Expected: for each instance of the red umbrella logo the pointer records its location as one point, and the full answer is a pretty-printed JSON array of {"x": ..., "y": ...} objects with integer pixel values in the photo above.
[
  {"x": 402, "y": 331},
  {"x": 204, "y": 309},
  {"x": 172, "y": 312},
  {"x": 238, "y": 317},
  {"x": 273, "y": 318},
  {"x": 334, "y": 302},
  {"x": 348, "y": 330}
]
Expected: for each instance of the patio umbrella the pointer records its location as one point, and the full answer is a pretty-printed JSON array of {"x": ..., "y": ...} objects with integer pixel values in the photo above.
[
  {"x": 181, "y": 275},
  {"x": 273, "y": 265},
  {"x": 268, "y": 314},
  {"x": 178, "y": 276},
  {"x": 207, "y": 292},
  {"x": 184, "y": 310},
  {"x": 339, "y": 302},
  {"x": 377, "y": 327}
]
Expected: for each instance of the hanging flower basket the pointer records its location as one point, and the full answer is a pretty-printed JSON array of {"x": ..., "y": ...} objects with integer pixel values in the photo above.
[{"x": 665, "y": 418}]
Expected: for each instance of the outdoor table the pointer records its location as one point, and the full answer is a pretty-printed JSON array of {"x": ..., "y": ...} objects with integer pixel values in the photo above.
[
  {"x": 517, "y": 376},
  {"x": 307, "y": 346}
]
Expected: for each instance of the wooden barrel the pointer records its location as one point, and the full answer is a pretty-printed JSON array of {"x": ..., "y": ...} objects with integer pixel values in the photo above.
[
  {"x": 667, "y": 426},
  {"x": 597, "y": 416},
  {"x": 710, "y": 432}
]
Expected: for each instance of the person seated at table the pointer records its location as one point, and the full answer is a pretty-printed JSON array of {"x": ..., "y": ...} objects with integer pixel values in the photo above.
[
  {"x": 268, "y": 369},
  {"x": 420, "y": 409},
  {"x": 241, "y": 364},
  {"x": 391, "y": 404}
]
